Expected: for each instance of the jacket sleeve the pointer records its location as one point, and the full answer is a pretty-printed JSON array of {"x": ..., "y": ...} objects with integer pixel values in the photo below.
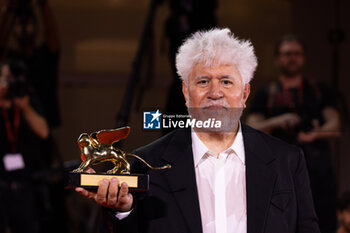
[
  {"x": 133, "y": 223},
  {"x": 307, "y": 221},
  {"x": 110, "y": 223}
]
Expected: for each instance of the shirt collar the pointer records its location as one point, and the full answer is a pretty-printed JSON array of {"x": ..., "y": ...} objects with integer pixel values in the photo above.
[{"x": 199, "y": 149}]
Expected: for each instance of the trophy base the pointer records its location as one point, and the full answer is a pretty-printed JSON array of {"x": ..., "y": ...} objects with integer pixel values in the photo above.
[{"x": 136, "y": 182}]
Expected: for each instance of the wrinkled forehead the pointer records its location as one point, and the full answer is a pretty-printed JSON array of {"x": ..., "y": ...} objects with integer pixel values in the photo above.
[
  {"x": 291, "y": 46},
  {"x": 215, "y": 69}
]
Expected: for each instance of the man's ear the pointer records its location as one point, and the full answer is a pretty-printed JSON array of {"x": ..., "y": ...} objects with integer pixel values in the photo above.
[
  {"x": 246, "y": 93},
  {"x": 185, "y": 91}
]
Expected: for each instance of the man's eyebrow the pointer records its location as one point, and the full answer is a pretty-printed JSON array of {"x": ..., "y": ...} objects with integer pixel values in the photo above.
[
  {"x": 208, "y": 77},
  {"x": 201, "y": 77},
  {"x": 225, "y": 77}
]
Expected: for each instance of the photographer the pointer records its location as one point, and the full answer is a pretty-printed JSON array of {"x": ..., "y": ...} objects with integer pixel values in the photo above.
[
  {"x": 302, "y": 112},
  {"x": 19, "y": 30},
  {"x": 23, "y": 131}
]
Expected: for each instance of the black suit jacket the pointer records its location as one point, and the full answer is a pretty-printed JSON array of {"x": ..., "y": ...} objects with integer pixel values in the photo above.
[{"x": 277, "y": 186}]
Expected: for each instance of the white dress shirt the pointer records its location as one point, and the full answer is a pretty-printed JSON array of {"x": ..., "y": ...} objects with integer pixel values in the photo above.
[{"x": 221, "y": 186}]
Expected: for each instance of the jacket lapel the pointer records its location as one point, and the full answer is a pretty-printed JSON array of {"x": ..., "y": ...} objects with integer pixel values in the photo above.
[
  {"x": 260, "y": 179},
  {"x": 182, "y": 179}
]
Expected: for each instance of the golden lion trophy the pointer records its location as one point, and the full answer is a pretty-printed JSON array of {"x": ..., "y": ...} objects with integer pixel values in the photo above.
[{"x": 97, "y": 148}]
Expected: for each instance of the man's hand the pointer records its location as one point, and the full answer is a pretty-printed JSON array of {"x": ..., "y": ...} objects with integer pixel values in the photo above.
[
  {"x": 107, "y": 195},
  {"x": 22, "y": 102},
  {"x": 308, "y": 137},
  {"x": 287, "y": 120},
  {"x": 36, "y": 122}
]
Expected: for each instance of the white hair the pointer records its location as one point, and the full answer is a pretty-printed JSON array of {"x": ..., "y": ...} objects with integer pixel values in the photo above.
[{"x": 216, "y": 47}]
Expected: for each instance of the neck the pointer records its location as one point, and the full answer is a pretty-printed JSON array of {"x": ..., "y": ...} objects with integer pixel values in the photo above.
[
  {"x": 218, "y": 142},
  {"x": 291, "y": 81}
]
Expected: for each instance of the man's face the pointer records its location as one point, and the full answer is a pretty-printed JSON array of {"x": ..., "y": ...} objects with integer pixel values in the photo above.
[
  {"x": 216, "y": 92},
  {"x": 290, "y": 59},
  {"x": 344, "y": 218},
  {"x": 25, "y": 31}
]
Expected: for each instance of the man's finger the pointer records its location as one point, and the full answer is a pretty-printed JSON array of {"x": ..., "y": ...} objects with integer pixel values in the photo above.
[
  {"x": 102, "y": 192},
  {"x": 316, "y": 124},
  {"x": 124, "y": 191},
  {"x": 90, "y": 170},
  {"x": 82, "y": 191},
  {"x": 124, "y": 198},
  {"x": 85, "y": 193},
  {"x": 112, "y": 192}
]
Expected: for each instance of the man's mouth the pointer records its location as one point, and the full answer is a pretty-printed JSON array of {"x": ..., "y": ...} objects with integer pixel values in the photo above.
[{"x": 214, "y": 107}]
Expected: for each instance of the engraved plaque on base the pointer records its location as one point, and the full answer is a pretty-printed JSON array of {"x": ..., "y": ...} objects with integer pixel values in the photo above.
[{"x": 136, "y": 182}]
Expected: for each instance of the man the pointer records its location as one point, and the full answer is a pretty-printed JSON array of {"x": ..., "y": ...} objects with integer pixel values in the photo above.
[
  {"x": 234, "y": 179},
  {"x": 302, "y": 112},
  {"x": 343, "y": 213}
]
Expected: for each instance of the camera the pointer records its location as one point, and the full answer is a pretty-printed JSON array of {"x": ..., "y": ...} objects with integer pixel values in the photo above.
[
  {"x": 18, "y": 87},
  {"x": 15, "y": 79}
]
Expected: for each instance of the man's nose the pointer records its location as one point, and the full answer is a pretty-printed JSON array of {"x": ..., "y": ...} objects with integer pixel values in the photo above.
[{"x": 215, "y": 91}]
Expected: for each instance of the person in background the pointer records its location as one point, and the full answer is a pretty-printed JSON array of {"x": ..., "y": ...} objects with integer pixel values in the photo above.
[
  {"x": 28, "y": 34},
  {"x": 20, "y": 25},
  {"x": 23, "y": 131},
  {"x": 303, "y": 112}
]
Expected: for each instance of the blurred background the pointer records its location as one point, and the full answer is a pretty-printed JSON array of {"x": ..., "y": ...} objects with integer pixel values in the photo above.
[{"x": 97, "y": 42}]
